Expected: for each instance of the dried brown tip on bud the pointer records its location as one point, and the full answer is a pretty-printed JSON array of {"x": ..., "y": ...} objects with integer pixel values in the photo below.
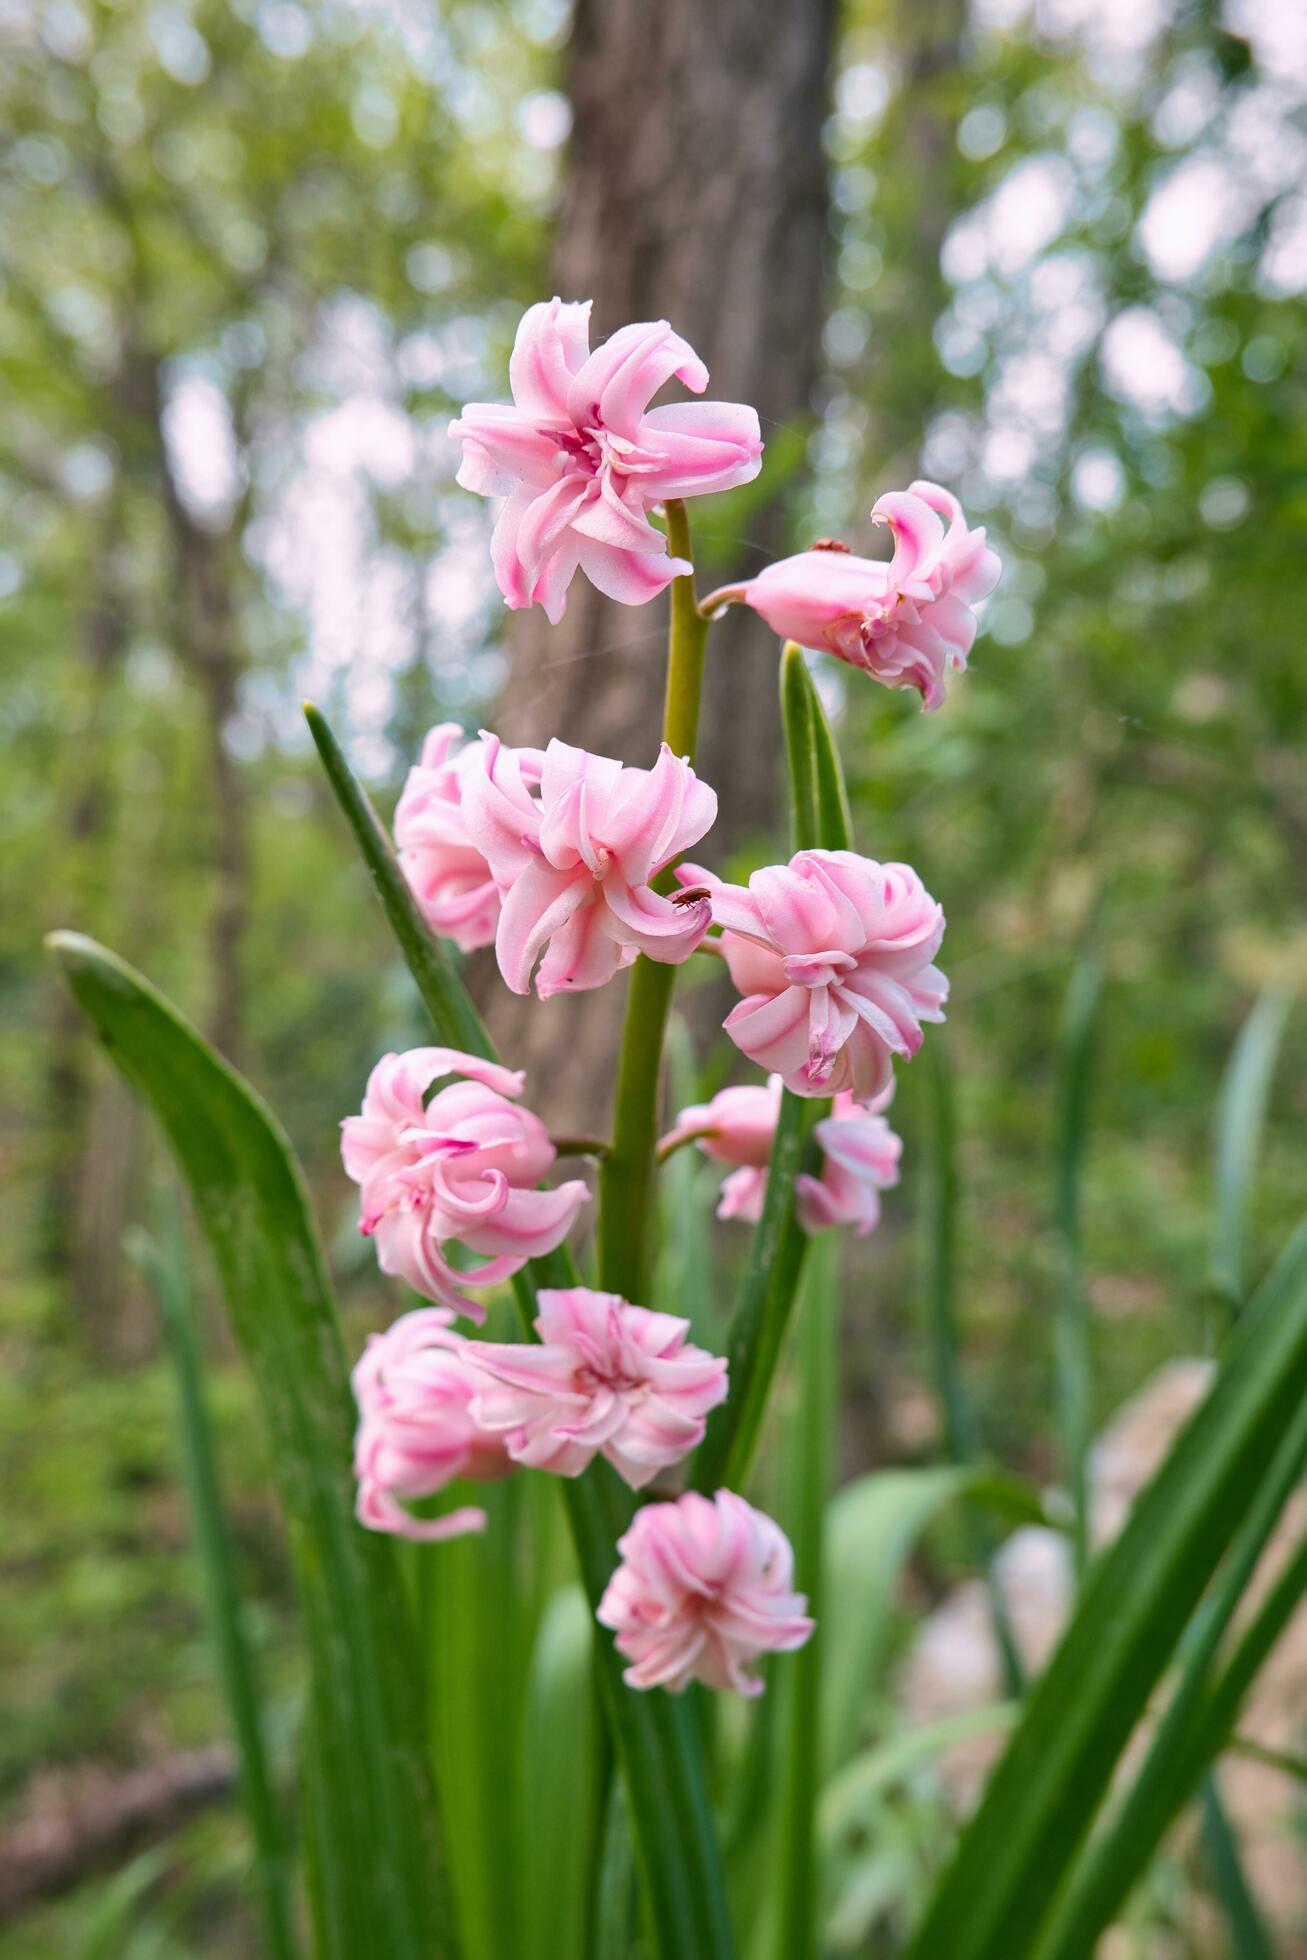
[{"x": 830, "y": 544}]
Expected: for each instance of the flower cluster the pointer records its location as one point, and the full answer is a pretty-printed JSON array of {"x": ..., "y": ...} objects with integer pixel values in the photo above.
[{"x": 557, "y": 857}]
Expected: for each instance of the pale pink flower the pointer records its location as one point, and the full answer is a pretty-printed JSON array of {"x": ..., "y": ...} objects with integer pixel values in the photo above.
[
  {"x": 906, "y": 622},
  {"x": 833, "y": 955},
  {"x": 463, "y": 1166},
  {"x": 607, "y": 1378},
  {"x": 860, "y": 1159},
  {"x": 737, "y": 1128},
  {"x": 581, "y": 457},
  {"x": 705, "y": 1586},
  {"x": 574, "y": 862},
  {"x": 416, "y": 1432},
  {"x": 860, "y": 1155},
  {"x": 449, "y": 877}
]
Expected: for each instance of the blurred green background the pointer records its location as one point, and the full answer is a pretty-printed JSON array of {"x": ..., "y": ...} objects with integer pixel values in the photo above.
[{"x": 254, "y": 256}]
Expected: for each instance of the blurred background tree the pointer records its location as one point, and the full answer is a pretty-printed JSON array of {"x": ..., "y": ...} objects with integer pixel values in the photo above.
[{"x": 256, "y": 254}]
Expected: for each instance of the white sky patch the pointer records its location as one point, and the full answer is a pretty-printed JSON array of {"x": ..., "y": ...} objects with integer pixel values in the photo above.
[
  {"x": 1020, "y": 220},
  {"x": 201, "y": 444},
  {"x": 1277, "y": 33},
  {"x": 1193, "y": 212},
  {"x": 1144, "y": 366},
  {"x": 1283, "y": 270},
  {"x": 1097, "y": 480}
]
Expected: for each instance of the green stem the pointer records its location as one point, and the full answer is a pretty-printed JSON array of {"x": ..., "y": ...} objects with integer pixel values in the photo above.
[{"x": 626, "y": 1174}]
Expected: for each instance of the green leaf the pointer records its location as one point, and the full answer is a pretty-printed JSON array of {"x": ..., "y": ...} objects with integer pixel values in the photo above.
[
  {"x": 559, "y": 1774},
  {"x": 377, "y": 1857},
  {"x": 809, "y": 1450},
  {"x": 961, "y": 1428},
  {"x": 1165, "y": 1780},
  {"x": 654, "y": 1735},
  {"x": 819, "y": 803},
  {"x": 164, "y": 1262},
  {"x": 1240, "y": 1123},
  {"x": 870, "y": 1775},
  {"x": 1248, "y": 1934},
  {"x": 1075, "y": 1384},
  {"x": 1136, "y": 1601},
  {"x": 872, "y": 1527}
]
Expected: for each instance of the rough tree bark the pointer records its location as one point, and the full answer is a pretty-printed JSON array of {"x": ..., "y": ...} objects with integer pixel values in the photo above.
[{"x": 696, "y": 193}]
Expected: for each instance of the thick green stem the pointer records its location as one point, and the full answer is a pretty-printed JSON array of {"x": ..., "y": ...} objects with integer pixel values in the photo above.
[{"x": 626, "y": 1175}]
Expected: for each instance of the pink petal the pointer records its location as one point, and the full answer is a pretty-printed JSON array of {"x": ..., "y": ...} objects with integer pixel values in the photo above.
[
  {"x": 699, "y": 447},
  {"x": 552, "y": 343}
]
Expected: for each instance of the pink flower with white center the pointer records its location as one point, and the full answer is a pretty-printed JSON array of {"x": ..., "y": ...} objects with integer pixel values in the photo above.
[
  {"x": 833, "y": 954},
  {"x": 581, "y": 457},
  {"x": 906, "y": 622},
  {"x": 463, "y": 1165},
  {"x": 449, "y": 877},
  {"x": 704, "y": 1587},
  {"x": 860, "y": 1159},
  {"x": 416, "y": 1432},
  {"x": 574, "y": 861},
  {"x": 861, "y": 1155},
  {"x": 607, "y": 1379}
]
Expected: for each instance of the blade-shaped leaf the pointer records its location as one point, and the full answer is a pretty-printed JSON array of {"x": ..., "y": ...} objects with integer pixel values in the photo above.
[
  {"x": 164, "y": 1262},
  {"x": 377, "y": 1853},
  {"x": 1240, "y": 1121},
  {"x": 872, "y": 1528},
  {"x": 1137, "y": 1599}
]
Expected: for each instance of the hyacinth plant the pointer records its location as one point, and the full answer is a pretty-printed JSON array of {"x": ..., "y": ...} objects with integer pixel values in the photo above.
[{"x": 542, "y": 1594}]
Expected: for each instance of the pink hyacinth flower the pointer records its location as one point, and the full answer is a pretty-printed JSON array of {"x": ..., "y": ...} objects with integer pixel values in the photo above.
[
  {"x": 581, "y": 457},
  {"x": 416, "y": 1431},
  {"x": 574, "y": 862},
  {"x": 449, "y": 877},
  {"x": 464, "y": 1165},
  {"x": 833, "y": 954},
  {"x": 737, "y": 1128},
  {"x": 859, "y": 1149},
  {"x": 860, "y": 1159},
  {"x": 607, "y": 1378},
  {"x": 704, "y": 1587},
  {"x": 906, "y": 622}
]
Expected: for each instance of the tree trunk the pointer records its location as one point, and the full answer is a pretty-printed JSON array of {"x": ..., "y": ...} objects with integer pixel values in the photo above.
[{"x": 696, "y": 193}]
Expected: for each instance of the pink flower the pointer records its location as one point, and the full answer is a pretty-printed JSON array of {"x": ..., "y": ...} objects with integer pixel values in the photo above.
[
  {"x": 704, "y": 1587},
  {"x": 736, "y": 1127},
  {"x": 861, "y": 1155},
  {"x": 581, "y": 457},
  {"x": 574, "y": 863},
  {"x": 906, "y": 622},
  {"x": 464, "y": 1166},
  {"x": 450, "y": 879},
  {"x": 416, "y": 1431},
  {"x": 832, "y": 953},
  {"x": 607, "y": 1378}
]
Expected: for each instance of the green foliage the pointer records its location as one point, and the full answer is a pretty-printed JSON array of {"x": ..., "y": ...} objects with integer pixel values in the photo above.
[{"x": 378, "y": 1883}]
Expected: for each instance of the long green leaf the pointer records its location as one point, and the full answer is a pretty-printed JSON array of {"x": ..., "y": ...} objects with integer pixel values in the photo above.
[
  {"x": 557, "y": 1767},
  {"x": 653, "y": 1734},
  {"x": 961, "y": 1428},
  {"x": 1136, "y": 1601},
  {"x": 377, "y": 1857},
  {"x": 1075, "y": 1388},
  {"x": 1248, "y": 1933},
  {"x": 1120, "y": 1853},
  {"x": 811, "y": 1455},
  {"x": 1240, "y": 1122},
  {"x": 872, "y": 1526},
  {"x": 164, "y": 1261}
]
